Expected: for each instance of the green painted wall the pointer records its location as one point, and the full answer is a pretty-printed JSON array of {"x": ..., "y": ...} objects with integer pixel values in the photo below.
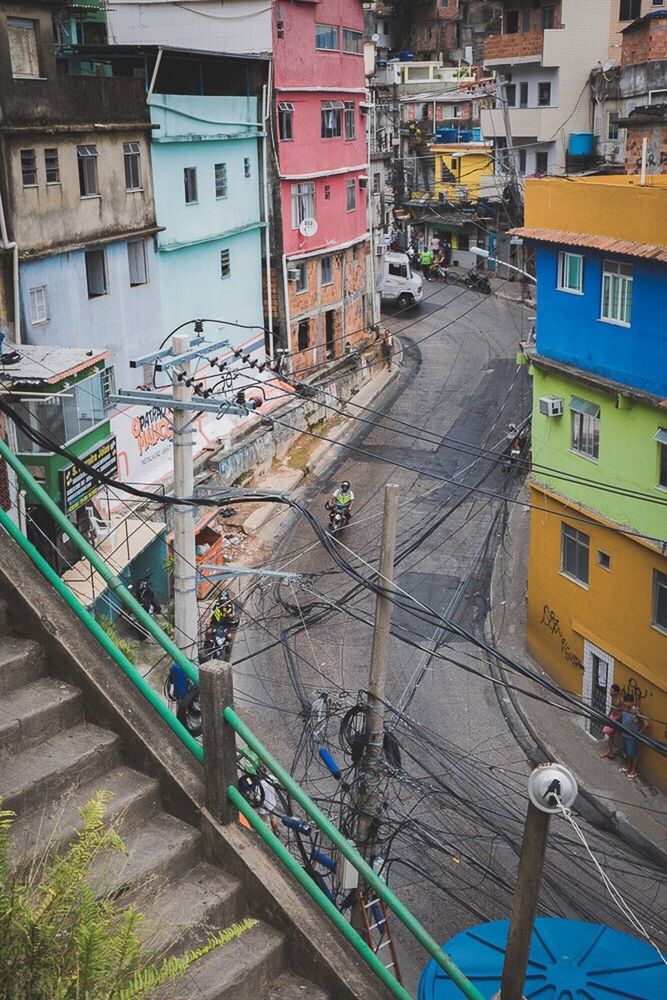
[{"x": 628, "y": 454}]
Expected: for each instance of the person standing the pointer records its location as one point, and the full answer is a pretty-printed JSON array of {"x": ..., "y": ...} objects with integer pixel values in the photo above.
[
  {"x": 426, "y": 261},
  {"x": 387, "y": 348},
  {"x": 614, "y": 716},
  {"x": 636, "y": 723}
]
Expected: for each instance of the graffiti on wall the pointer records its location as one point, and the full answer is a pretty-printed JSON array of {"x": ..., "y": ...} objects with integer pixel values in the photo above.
[{"x": 551, "y": 622}]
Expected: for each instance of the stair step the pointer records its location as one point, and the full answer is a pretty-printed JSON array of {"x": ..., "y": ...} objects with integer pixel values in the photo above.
[
  {"x": 38, "y": 710},
  {"x": 244, "y": 969},
  {"x": 21, "y": 661},
  {"x": 134, "y": 797},
  {"x": 69, "y": 759},
  {"x": 291, "y": 987},
  {"x": 159, "y": 850},
  {"x": 189, "y": 909}
]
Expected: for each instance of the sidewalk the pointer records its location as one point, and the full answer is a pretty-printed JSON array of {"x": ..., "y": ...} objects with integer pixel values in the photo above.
[
  {"x": 632, "y": 809},
  {"x": 513, "y": 291}
]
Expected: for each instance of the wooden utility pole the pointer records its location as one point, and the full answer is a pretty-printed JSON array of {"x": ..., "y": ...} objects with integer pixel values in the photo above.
[
  {"x": 524, "y": 907},
  {"x": 368, "y": 798}
]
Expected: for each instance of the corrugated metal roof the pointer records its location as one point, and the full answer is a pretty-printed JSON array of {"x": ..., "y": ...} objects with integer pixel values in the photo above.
[
  {"x": 40, "y": 364},
  {"x": 650, "y": 251}
]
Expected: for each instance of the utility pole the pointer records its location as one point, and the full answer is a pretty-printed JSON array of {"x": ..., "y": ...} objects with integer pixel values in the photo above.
[
  {"x": 185, "y": 574},
  {"x": 550, "y": 787},
  {"x": 373, "y": 754}
]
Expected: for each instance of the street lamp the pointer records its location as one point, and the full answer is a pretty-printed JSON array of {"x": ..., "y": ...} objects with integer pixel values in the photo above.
[{"x": 480, "y": 252}]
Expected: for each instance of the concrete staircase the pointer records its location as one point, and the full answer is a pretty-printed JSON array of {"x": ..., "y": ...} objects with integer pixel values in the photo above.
[{"x": 52, "y": 760}]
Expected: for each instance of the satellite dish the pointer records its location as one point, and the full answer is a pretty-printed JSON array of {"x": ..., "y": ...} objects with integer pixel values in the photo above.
[
  {"x": 607, "y": 66},
  {"x": 308, "y": 227}
]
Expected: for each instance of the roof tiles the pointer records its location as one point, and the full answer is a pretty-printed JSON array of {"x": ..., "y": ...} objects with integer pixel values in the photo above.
[{"x": 610, "y": 244}]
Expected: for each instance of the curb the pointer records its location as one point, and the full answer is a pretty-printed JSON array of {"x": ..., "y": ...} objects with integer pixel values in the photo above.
[{"x": 598, "y": 811}]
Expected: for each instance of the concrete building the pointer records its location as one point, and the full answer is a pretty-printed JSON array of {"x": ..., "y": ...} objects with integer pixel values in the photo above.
[
  {"x": 78, "y": 265},
  {"x": 597, "y": 585},
  {"x": 628, "y": 96},
  {"x": 543, "y": 60}
]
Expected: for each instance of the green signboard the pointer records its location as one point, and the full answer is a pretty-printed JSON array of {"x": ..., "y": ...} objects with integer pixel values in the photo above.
[{"x": 78, "y": 487}]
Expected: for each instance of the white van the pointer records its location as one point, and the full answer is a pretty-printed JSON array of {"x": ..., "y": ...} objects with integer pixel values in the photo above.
[{"x": 399, "y": 284}]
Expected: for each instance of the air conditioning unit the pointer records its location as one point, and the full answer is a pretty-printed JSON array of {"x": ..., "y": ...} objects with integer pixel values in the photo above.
[
  {"x": 379, "y": 250},
  {"x": 551, "y": 406},
  {"x": 293, "y": 274},
  {"x": 363, "y": 181}
]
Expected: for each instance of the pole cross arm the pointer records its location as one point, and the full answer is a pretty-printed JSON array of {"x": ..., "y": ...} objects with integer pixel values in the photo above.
[
  {"x": 213, "y": 571},
  {"x": 149, "y": 359},
  {"x": 179, "y": 359},
  {"x": 135, "y": 397}
]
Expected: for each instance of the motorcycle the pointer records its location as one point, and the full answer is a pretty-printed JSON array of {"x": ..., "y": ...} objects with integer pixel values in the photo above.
[
  {"x": 179, "y": 688},
  {"x": 218, "y": 641},
  {"x": 146, "y": 598},
  {"x": 477, "y": 281},
  {"x": 338, "y": 516}
]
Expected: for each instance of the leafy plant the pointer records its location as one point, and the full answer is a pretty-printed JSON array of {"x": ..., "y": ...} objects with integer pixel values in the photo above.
[
  {"x": 60, "y": 941},
  {"x": 122, "y": 644}
]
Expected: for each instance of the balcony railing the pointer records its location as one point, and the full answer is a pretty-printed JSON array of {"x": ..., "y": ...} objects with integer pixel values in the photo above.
[{"x": 514, "y": 46}]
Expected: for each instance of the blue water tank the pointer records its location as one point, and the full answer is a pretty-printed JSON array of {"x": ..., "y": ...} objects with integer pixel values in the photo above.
[
  {"x": 568, "y": 960},
  {"x": 445, "y": 133},
  {"x": 406, "y": 56},
  {"x": 581, "y": 144},
  {"x": 477, "y": 134}
]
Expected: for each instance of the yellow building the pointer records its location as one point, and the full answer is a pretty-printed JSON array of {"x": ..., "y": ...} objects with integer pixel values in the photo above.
[{"x": 459, "y": 167}]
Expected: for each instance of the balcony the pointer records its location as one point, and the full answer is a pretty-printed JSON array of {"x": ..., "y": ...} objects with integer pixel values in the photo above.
[
  {"x": 519, "y": 47},
  {"x": 73, "y": 100}
]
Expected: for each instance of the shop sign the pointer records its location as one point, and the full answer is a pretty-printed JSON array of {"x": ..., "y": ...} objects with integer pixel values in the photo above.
[{"x": 78, "y": 487}]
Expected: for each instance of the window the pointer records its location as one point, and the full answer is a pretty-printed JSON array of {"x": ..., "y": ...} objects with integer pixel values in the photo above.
[
  {"x": 326, "y": 37},
  {"x": 547, "y": 18},
  {"x": 398, "y": 270},
  {"x": 190, "y": 182},
  {"x": 604, "y": 559},
  {"x": 136, "y": 259},
  {"x": 510, "y": 94},
  {"x": 303, "y": 334},
  {"x": 131, "y": 156},
  {"x": 286, "y": 121},
  {"x": 616, "y": 292},
  {"x": 463, "y": 241},
  {"x": 302, "y": 278},
  {"x": 511, "y": 26},
  {"x": 39, "y": 308},
  {"x": 661, "y": 438},
  {"x": 246, "y": 166},
  {"x": 327, "y": 192},
  {"x": 350, "y": 121},
  {"x": 327, "y": 271},
  {"x": 660, "y": 600},
  {"x": 220, "y": 180},
  {"x": 522, "y": 161},
  {"x": 332, "y": 119},
  {"x": 574, "y": 553},
  {"x": 87, "y": 160},
  {"x": 541, "y": 163},
  {"x": 525, "y": 19},
  {"x": 612, "y": 125},
  {"x": 585, "y": 427},
  {"x": 303, "y": 202},
  {"x": 377, "y": 182},
  {"x": 629, "y": 10},
  {"x": 76, "y": 410},
  {"x": 225, "y": 263},
  {"x": 28, "y": 168},
  {"x": 52, "y": 166},
  {"x": 523, "y": 95},
  {"x": 23, "y": 50},
  {"x": 456, "y": 111},
  {"x": 96, "y": 273},
  {"x": 351, "y": 189},
  {"x": 570, "y": 272},
  {"x": 544, "y": 94},
  {"x": 353, "y": 41}
]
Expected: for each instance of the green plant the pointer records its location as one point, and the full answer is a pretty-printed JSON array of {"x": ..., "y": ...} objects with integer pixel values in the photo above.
[
  {"x": 169, "y": 564},
  {"x": 60, "y": 941},
  {"x": 122, "y": 644}
]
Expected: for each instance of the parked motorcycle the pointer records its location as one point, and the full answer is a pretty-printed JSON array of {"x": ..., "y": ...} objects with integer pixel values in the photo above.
[
  {"x": 479, "y": 282},
  {"x": 145, "y": 594},
  {"x": 179, "y": 688}
]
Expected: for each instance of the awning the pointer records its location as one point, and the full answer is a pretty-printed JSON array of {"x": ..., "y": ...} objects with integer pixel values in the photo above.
[
  {"x": 660, "y": 436},
  {"x": 584, "y": 406}
]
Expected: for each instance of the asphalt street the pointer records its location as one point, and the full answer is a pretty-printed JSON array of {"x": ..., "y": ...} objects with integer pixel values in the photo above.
[{"x": 452, "y": 809}]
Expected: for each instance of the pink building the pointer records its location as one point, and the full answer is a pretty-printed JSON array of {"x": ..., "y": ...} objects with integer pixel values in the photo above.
[{"x": 321, "y": 270}]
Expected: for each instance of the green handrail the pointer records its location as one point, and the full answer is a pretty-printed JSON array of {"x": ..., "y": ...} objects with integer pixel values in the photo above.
[
  {"x": 115, "y": 585},
  {"x": 320, "y": 897},
  {"x": 335, "y": 836},
  {"x": 84, "y": 615},
  {"x": 409, "y": 921}
]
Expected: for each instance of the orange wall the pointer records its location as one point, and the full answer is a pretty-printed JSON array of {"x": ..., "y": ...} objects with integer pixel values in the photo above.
[{"x": 613, "y": 612}]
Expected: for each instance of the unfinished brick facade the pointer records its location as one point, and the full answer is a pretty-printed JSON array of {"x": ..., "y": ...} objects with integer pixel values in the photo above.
[
  {"x": 433, "y": 30},
  {"x": 656, "y": 148},
  {"x": 645, "y": 40},
  {"x": 524, "y": 25}
]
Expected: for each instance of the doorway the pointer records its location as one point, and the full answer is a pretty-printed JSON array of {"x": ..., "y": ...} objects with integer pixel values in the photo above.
[
  {"x": 598, "y": 678},
  {"x": 330, "y": 333}
]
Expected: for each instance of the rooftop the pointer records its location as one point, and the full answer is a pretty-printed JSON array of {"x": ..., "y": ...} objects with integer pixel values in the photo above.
[
  {"x": 45, "y": 365},
  {"x": 653, "y": 15}
]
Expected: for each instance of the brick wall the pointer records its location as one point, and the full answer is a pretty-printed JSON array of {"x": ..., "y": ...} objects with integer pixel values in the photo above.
[
  {"x": 656, "y": 152},
  {"x": 523, "y": 43},
  {"x": 645, "y": 42}
]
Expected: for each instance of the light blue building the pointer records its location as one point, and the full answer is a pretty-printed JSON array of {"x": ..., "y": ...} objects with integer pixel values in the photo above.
[{"x": 207, "y": 180}]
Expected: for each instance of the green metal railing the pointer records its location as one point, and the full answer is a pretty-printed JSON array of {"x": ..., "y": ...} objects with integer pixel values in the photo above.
[{"x": 230, "y": 717}]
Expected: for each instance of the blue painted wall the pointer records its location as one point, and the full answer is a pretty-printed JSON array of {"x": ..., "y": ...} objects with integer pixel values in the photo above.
[
  {"x": 200, "y": 132},
  {"x": 126, "y": 322},
  {"x": 569, "y": 327}
]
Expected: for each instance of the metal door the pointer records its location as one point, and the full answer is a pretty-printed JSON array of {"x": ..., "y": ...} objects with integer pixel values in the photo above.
[{"x": 599, "y": 686}]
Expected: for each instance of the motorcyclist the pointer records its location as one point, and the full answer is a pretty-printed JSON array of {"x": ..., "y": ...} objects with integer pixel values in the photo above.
[
  {"x": 224, "y": 613},
  {"x": 343, "y": 497}
]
